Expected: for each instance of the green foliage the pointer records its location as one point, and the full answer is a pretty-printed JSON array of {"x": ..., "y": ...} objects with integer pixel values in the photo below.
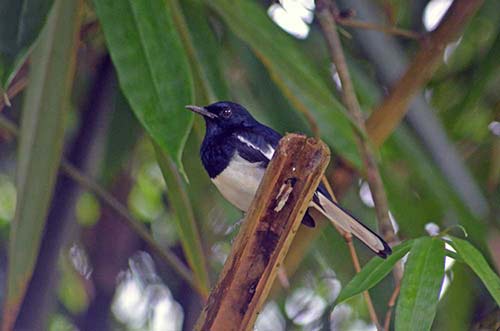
[
  {"x": 292, "y": 71},
  {"x": 40, "y": 146},
  {"x": 440, "y": 196},
  {"x": 420, "y": 286},
  {"x": 423, "y": 277},
  {"x": 87, "y": 209},
  {"x": 477, "y": 262},
  {"x": 186, "y": 224},
  {"x": 203, "y": 50},
  {"x": 71, "y": 290},
  {"x": 152, "y": 68},
  {"x": 171, "y": 53},
  {"x": 20, "y": 24},
  {"x": 374, "y": 271},
  {"x": 7, "y": 199}
]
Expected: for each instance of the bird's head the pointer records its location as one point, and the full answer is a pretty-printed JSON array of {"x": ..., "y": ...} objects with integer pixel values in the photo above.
[{"x": 224, "y": 115}]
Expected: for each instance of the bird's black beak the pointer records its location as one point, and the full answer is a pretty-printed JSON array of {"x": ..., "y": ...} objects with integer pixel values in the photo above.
[{"x": 202, "y": 111}]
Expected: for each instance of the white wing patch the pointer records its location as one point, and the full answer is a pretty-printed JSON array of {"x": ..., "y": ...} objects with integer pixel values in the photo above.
[{"x": 269, "y": 152}]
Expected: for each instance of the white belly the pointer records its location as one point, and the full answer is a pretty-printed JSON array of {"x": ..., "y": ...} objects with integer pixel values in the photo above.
[{"x": 239, "y": 182}]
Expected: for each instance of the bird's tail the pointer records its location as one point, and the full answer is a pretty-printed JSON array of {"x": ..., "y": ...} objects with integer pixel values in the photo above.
[{"x": 340, "y": 217}]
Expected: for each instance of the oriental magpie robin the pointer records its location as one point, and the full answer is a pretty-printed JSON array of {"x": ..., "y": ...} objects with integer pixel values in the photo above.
[{"x": 235, "y": 153}]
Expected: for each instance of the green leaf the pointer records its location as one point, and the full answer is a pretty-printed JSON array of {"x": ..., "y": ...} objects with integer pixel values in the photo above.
[
  {"x": 202, "y": 48},
  {"x": 40, "y": 145},
  {"x": 124, "y": 131},
  {"x": 292, "y": 71},
  {"x": 422, "y": 177},
  {"x": 152, "y": 68},
  {"x": 437, "y": 192},
  {"x": 255, "y": 89},
  {"x": 478, "y": 263},
  {"x": 21, "y": 22},
  {"x": 374, "y": 271},
  {"x": 424, "y": 272},
  {"x": 484, "y": 72},
  {"x": 185, "y": 222},
  {"x": 458, "y": 301}
]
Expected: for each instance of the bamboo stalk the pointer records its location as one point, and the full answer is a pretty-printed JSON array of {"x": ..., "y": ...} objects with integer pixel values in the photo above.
[{"x": 261, "y": 245}]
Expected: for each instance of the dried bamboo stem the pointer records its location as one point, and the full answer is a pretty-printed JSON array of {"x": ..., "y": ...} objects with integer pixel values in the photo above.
[{"x": 263, "y": 241}]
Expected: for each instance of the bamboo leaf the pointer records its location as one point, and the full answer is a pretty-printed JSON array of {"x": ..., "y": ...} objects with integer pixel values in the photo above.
[
  {"x": 440, "y": 196},
  {"x": 256, "y": 90},
  {"x": 202, "y": 48},
  {"x": 484, "y": 72},
  {"x": 374, "y": 271},
  {"x": 152, "y": 68},
  {"x": 124, "y": 131},
  {"x": 20, "y": 24},
  {"x": 424, "y": 272},
  {"x": 40, "y": 145},
  {"x": 478, "y": 263},
  {"x": 185, "y": 222},
  {"x": 292, "y": 71}
]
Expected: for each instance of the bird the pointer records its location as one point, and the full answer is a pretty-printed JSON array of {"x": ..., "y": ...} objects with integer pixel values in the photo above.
[{"x": 235, "y": 152}]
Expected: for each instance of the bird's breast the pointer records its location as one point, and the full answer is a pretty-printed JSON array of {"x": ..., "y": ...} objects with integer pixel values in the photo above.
[{"x": 239, "y": 181}]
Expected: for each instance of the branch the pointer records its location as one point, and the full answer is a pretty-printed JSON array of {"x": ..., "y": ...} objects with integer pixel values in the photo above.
[
  {"x": 390, "y": 306},
  {"x": 387, "y": 116},
  {"x": 329, "y": 28},
  {"x": 166, "y": 255},
  {"x": 381, "y": 28},
  {"x": 17, "y": 86},
  {"x": 305, "y": 237},
  {"x": 390, "y": 62},
  {"x": 262, "y": 243},
  {"x": 354, "y": 257}
]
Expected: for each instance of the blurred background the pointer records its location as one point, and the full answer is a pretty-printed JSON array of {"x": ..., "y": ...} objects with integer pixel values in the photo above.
[{"x": 92, "y": 270}]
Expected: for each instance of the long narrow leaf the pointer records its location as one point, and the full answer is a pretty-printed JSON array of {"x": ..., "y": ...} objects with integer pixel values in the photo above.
[
  {"x": 374, "y": 272},
  {"x": 420, "y": 286},
  {"x": 202, "y": 49},
  {"x": 20, "y": 24},
  {"x": 437, "y": 189},
  {"x": 40, "y": 145},
  {"x": 185, "y": 222},
  {"x": 478, "y": 263},
  {"x": 485, "y": 71},
  {"x": 152, "y": 68},
  {"x": 292, "y": 71}
]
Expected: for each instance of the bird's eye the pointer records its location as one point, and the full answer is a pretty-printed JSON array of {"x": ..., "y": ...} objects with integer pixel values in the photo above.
[{"x": 226, "y": 113}]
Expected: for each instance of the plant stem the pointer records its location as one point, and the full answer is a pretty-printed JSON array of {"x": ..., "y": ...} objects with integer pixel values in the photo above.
[
  {"x": 354, "y": 257},
  {"x": 17, "y": 86},
  {"x": 390, "y": 306},
  {"x": 329, "y": 28},
  {"x": 387, "y": 116},
  {"x": 166, "y": 255},
  {"x": 366, "y": 294},
  {"x": 372, "y": 26}
]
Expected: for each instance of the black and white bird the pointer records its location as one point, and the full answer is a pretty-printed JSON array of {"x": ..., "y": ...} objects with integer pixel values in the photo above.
[{"x": 236, "y": 151}]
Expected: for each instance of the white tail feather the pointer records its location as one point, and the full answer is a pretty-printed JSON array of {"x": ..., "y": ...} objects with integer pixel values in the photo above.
[{"x": 348, "y": 223}]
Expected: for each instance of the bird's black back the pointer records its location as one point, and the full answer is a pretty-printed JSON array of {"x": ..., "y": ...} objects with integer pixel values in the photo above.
[{"x": 219, "y": 146}]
